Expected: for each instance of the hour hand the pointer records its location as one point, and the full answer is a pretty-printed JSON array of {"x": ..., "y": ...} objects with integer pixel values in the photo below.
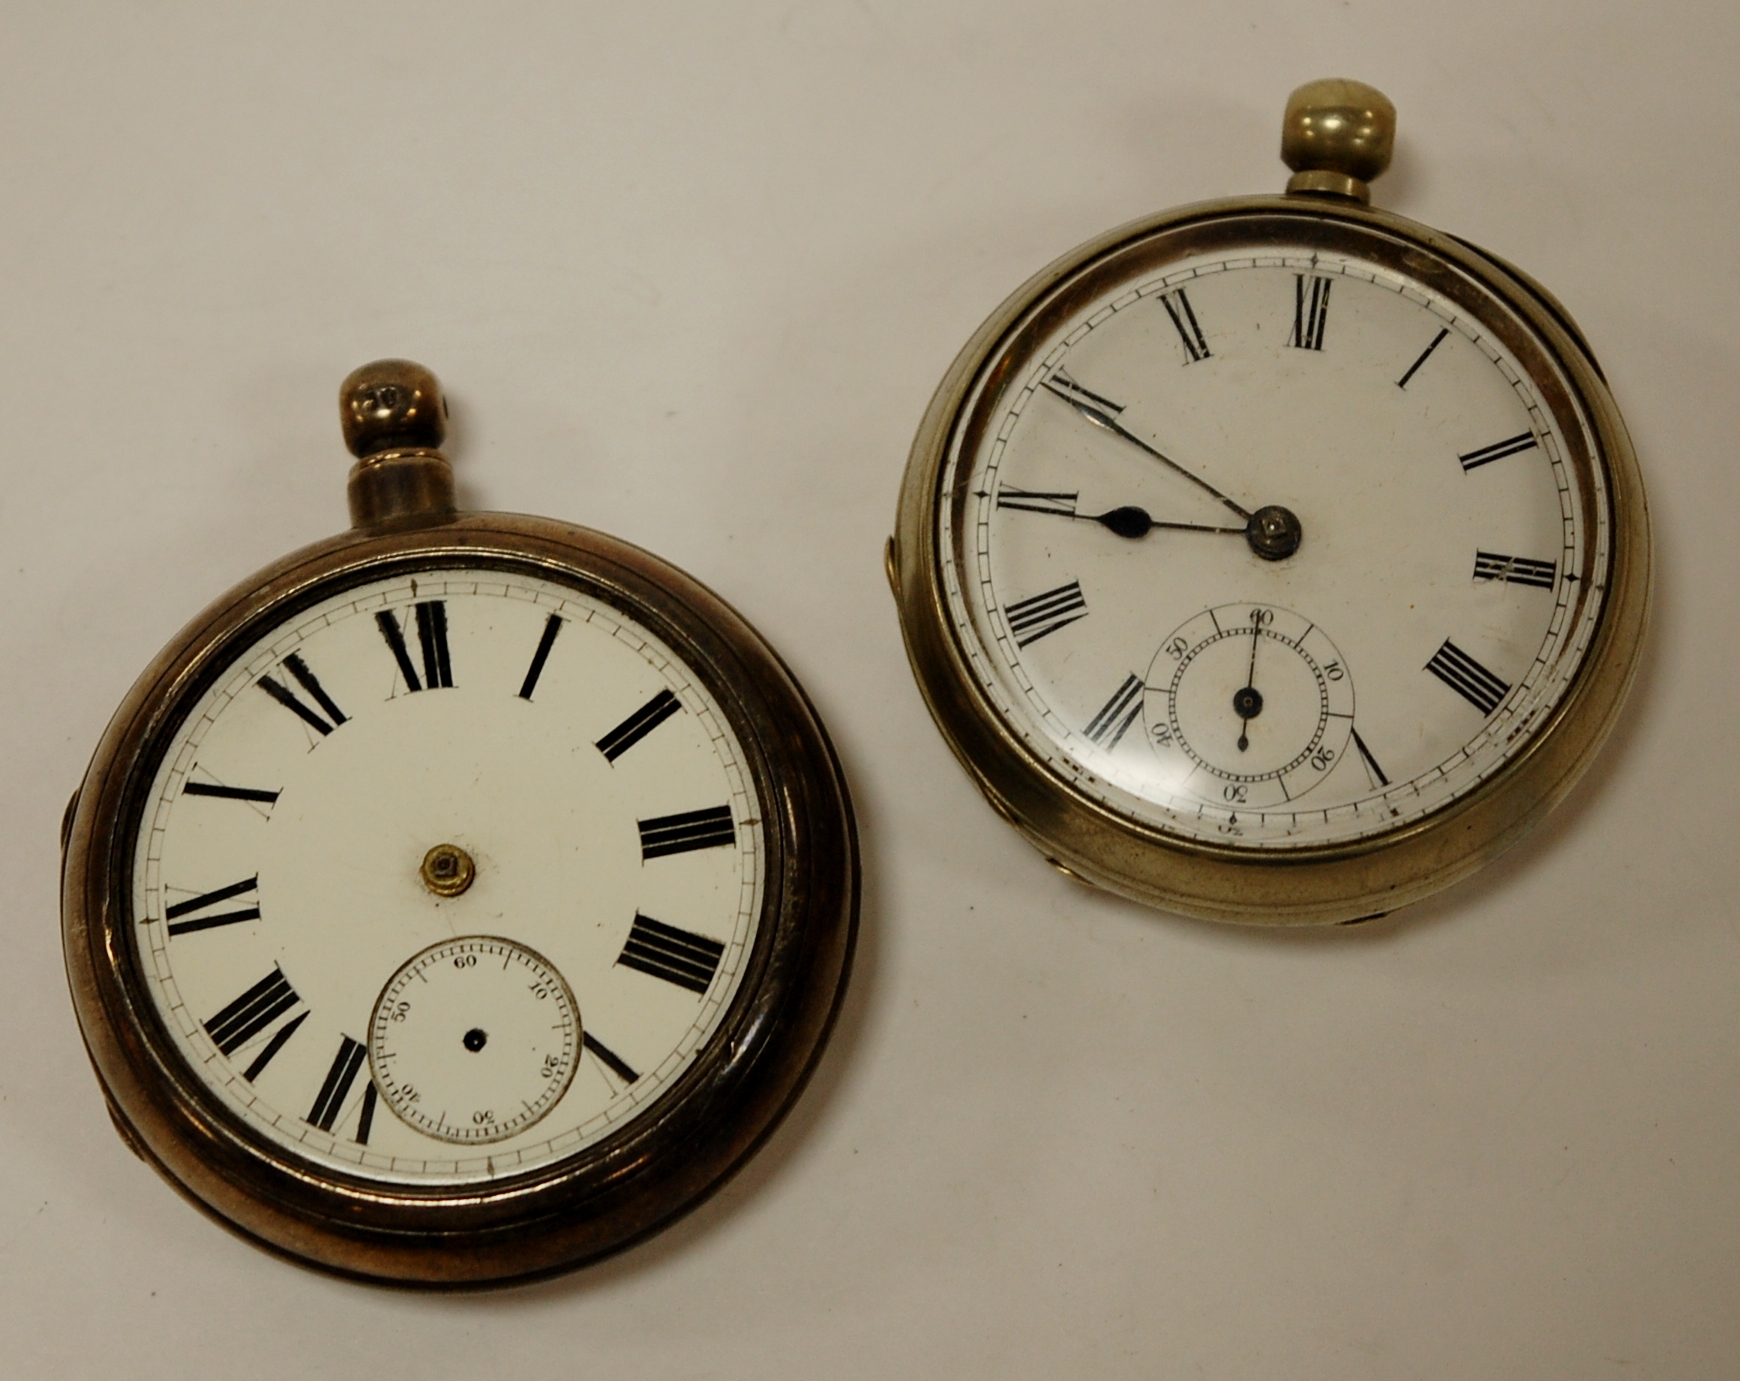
[
  {"x": 1103, "y": 412},
  {"x": 1126, "y": 521}
]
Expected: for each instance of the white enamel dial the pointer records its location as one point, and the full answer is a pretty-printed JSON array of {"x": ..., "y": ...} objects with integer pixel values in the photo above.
[
  {"x": 1302, "y": 439},
  {"x": 288, "y": 902}
]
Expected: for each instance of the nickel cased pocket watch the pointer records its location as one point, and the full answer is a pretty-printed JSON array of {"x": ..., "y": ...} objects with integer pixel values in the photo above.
[
  {"x": 463, "y": 897},
  {"x": 1275, "y": 559}
]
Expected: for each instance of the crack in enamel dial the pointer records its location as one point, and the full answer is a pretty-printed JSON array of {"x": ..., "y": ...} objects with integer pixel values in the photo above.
[{"x": 1308, "y": 437}]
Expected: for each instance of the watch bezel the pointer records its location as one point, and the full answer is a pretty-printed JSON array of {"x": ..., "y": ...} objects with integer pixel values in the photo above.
[
  {"x": 1309, "y": 883},
  {"x": 575, "y": 1208}
]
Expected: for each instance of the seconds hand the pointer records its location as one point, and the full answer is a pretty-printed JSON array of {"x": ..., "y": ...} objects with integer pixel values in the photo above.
[
  {"x": 1248, "y": 702},
  {"x": 1103, "y": 413}
]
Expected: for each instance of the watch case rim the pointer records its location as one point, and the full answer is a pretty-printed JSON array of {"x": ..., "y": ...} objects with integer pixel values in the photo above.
[
  {"x": 578, "y": 1208},
  {"x": 1333, "y": 883}
]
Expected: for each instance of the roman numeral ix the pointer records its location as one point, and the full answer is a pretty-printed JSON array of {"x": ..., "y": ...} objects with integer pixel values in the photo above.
[
  {"x": 1515, "y": 570},
  {"x": 1473, "y": 682},
  {"x": 1178, "y": 308},
  {"x": 681, "y": 834},
  {"x": 432, "y": 643},
  {"x": 1032, "y": 618},
  {"x": 677, "y": 956},
  {"x": 1037, "y": 500},
  {"x": 1117, "y": 714},
  {"x": 287, "y": 698},
  {"x": 1310, "y": 311},
  {"x": 209, "y": 899},
  {"x": 638, "y": 725}
]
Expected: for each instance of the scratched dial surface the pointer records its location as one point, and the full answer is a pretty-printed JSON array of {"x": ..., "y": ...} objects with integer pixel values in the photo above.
[
  {"x": 282, "y": 902},
  {"x": 1431, "y": 579}
]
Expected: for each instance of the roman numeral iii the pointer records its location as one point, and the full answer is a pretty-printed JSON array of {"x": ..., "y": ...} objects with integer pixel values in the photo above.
[
  {"x": 1515, "y": 570},
  {"x": 1032, "y": 618},
  {"x": 681, "y": 834},
  {"x": 675, "y": 955},
  {"x": 431, "y": 616},
  {"x": 1310, "y": 311},
  {"x": 1473, "y": 682}
]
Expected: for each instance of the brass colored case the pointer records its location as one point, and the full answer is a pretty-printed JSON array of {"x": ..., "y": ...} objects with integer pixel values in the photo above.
[
  {"x": 609, "y": 1195},
  {"x": 1313, "y": 884}
]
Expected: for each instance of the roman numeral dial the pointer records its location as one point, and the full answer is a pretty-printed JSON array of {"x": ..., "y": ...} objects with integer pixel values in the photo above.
[
  {"x": 529, "y": 816},
  {"x": 1307, "y": 471}
]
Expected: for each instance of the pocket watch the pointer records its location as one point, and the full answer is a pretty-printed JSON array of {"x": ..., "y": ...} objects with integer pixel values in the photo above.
[
  {"x": 461, "y": 898},
  {"x": 1275, "y": 559}
]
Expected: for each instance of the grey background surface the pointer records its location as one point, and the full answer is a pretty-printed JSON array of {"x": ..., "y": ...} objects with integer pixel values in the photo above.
[{"x": 690, "y": 273}]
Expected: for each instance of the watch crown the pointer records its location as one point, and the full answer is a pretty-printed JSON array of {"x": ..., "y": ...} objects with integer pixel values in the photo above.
[
  {"x": 392, "y": 405},
  {"x": 395, "y": 418},
  {"x": 1336, "y": 136}
]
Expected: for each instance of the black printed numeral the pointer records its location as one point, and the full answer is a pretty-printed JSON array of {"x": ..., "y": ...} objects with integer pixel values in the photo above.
[
  {"x": 1178, "y": 308},
  {"x": 1425, "y": 355},
  {"x": 677, "y": 956},
  {"x": 310, "y": 683},
  {"x": 681, "y": 834},
  {"x": 638, "y": 725},
  {"x": 431, "y": 617},
  {"x": 1371, "y": 763},
  {"x": 217, "y": 918},
  {"x": 336, "y": 1089},
  {"x": 1031, "y": 619},
  {"x": 1473, "y": 682},
  {"x": 1085, "y": 400},
  {"x": 1310, "y": 311},
  {"x": 1473, "y": 460},
  {"x": 1037, "y": 500},
  {"x": 552, "y": 626},
  {"x": 252, "y": 1013},
  {"x": 604, "y": 1054},
  {"x": 1117, "y": 714},
  {"x": 229, "y": 793},
  {"x": 1515, "y": 570},
  {"x": 365, "y": 1120}
]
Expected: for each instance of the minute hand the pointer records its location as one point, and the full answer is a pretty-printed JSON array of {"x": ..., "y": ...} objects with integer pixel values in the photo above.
[{"x": 1092, "y": 409}]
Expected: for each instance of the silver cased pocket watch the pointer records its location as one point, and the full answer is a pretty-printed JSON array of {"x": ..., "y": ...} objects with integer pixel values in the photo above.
[
  {"x": 1275, "y": 559},
  {"x": 461, "y": 898}
]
